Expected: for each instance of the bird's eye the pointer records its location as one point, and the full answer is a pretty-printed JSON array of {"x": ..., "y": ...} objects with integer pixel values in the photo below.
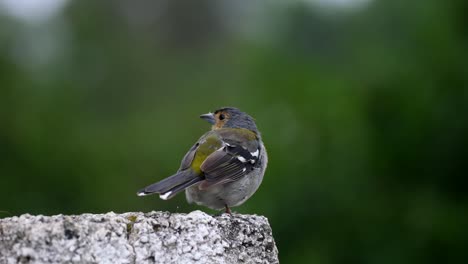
[{"x": 221, "y": 117}]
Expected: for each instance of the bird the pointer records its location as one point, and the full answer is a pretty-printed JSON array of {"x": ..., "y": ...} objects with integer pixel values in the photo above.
[{"x": 224, "y": 168}]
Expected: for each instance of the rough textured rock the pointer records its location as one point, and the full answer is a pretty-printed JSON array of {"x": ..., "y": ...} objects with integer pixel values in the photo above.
[{"x": 155, "y": 237}]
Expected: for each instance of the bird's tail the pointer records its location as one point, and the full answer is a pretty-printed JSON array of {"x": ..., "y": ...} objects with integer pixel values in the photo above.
[{"x": 171, "y": 185}]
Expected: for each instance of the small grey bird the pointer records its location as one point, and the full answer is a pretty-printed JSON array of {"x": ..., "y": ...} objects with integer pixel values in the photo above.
[{"x": 225, "y": 166}]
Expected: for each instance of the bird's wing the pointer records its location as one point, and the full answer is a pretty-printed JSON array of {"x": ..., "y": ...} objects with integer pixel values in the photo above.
[
  {"x": 188, "y": 158},
  {"x": 189, "y": 172},
  {"x": 237, "y": 157},
  {"x": 205, "y": 146}
]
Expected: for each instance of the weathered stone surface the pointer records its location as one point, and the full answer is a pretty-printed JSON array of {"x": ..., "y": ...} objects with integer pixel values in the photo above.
[{"x": 155, "y": 237}]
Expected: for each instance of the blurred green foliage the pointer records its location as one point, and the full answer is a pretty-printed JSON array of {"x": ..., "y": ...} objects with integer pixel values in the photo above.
[{"x": 364, "y": 113}]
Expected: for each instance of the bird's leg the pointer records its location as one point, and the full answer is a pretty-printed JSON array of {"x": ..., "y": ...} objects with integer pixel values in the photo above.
[{"x": 228, "y": 211}]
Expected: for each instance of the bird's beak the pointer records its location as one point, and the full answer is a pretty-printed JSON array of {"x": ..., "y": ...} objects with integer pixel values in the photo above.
[{"x": 208, "y": 117}]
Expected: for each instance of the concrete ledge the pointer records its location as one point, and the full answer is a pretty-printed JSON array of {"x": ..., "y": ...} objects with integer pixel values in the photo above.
[{"x": 155, "y": 237}]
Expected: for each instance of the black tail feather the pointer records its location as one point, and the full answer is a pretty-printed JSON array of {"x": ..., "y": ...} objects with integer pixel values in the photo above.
[
  {"x": 172, "y": 192},
  {"x": 171, "y": 185}
]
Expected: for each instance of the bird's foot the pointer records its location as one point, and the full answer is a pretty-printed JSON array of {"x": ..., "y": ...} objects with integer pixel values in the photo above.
[{"x": 228, "y": 210}]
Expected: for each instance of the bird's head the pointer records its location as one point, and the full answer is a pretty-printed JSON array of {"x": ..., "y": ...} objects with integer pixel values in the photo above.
[{"x": 230, "y": 117}]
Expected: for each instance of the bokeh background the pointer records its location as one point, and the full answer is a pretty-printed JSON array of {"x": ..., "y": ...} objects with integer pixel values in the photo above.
[{"x": 363, "y": 105}]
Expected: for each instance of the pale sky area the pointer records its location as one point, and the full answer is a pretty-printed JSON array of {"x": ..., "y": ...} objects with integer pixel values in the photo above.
[
  {"x": 42, "y": 10},
  {"x": 32, "y": 10}
]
